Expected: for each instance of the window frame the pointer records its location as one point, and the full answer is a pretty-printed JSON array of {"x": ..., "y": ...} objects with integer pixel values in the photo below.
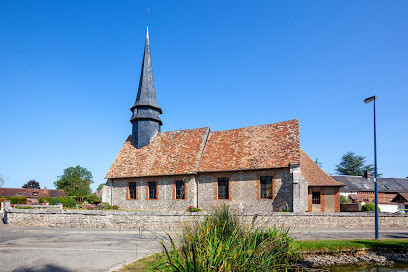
[
  {"x": 315, "y": 200},
  {"x": 260, "y": 193},
  {"x": 228, "y": 187},
  {"x": 148, "y": 190},
  {"x": 175, "y": 188},
  {"x": 128, "y": 194}
]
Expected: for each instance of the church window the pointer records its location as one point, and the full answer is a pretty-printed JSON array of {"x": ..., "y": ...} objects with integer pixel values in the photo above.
[
  {"x": 316, "y": 198},
  {"x": 132, "y": 190},
  {"x": 223, "y": 188},
  {"x": 152, "y": 187},
  {"x": 180, "y": 189},
  {"x": 266, "y": 187}
]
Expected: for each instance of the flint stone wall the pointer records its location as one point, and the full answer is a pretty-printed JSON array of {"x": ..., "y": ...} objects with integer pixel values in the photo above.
[{"x": 174, "y": 220}]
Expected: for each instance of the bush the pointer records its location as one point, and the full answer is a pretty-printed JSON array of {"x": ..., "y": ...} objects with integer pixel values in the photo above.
[
  {"x": 65, "y": 201},
  {"x": 100, "y": 206},
  {"x": 369, "y": 207},
  {"x": 18, "y": 200},
  {"x": 88, "y": 206},
  {"x": 106, "y": 206},
  {"x": 220, "y": 243},
  {"x": 345, "y": 200},
  {"x": 93, "y": 199},
  {"x": 193, "y": 209},
  {"x": 24, "y": 207}
]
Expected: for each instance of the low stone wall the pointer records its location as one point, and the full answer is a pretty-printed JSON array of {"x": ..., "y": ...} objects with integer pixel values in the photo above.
[{"x": 174, "y": 220}]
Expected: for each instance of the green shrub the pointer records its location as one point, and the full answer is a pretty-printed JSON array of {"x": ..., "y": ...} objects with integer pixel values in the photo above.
[
  {"x": 345, "y": 200},
  {"x": 93, "y": 199},
  {"x": 193, "y": 209},
  {"x": 65, "y": 201},
  {"x": 24, "y": 207},
  {"x": 220, "y": 243},
  {"x": 369, "y": 207},
  {"x": 18, "y": 200}
]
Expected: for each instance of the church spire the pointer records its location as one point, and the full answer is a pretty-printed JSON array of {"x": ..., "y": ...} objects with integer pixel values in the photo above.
[
  {"x": 146, "y": 95},
  {"x": 145, "y": 120}
]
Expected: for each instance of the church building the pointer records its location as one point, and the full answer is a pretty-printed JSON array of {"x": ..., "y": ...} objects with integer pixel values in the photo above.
[{"x": 252, "y": 169}]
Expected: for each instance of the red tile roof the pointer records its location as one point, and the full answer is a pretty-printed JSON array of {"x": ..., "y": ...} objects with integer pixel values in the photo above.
[
  {"x": 249, "y": 148},
  {"x": 169, "y": 153},
  {"x": 256, "y": 147},
  {"x": 313, "y": 174},
  {"x": 23, "y": 192}
]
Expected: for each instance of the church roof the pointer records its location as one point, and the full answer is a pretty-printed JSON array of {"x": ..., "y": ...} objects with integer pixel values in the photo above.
[
  {"x": 199, "y": 150},
  {"x": 189, "y": 151},
  {"x": 256, "y": 147},
  {"x": 169, "y": 153},
  {"x": 314, "y": 174}
]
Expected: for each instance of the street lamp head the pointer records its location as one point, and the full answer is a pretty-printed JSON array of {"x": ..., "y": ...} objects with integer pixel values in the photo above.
[{"x": 368, "y": 100}]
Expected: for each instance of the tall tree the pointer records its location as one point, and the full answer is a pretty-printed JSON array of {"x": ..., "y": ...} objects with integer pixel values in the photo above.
[
  {"x": 100, "y": 186},
  {"x": 353, "y": 165},
  {"x": 75, "y": 181},
  {"x": 1, "y": 181},
  {"x": 32, "y": 184}
]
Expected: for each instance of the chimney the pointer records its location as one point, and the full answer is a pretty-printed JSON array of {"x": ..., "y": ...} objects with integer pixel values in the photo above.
[{"x": 367, "y": 174}]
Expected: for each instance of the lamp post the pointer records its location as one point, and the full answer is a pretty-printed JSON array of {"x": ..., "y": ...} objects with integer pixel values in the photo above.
[
  {"x": 368, "y": 100},
  {"x": 56, "y": 200}
]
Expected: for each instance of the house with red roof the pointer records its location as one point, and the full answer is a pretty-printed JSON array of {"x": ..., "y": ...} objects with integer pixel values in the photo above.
[
  {"x": 32, "y": 195},
  {"x": 252, "y": 169}
]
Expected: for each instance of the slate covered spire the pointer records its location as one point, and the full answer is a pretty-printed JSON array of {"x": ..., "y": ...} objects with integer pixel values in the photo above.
[{"x": 145, "y": 120}]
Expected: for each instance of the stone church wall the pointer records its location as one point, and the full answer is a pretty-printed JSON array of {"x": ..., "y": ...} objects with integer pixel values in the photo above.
[
  {"x": 165, "y": 194},
  {"x": 289, "y": 192},
  {"x": 244, "y": 187}
]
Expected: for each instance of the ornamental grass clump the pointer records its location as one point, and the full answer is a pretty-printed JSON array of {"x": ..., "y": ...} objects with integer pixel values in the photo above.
[{"x": 221, "y": 243}]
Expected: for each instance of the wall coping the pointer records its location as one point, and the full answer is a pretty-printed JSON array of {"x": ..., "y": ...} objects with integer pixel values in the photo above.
[{"x": 195, "y": 214}]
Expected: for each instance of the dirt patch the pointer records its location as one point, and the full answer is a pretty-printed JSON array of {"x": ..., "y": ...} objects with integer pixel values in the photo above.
[{"x": 377, "y": 257}]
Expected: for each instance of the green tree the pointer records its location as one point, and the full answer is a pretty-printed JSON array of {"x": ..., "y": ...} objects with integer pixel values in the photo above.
[
  {"x": 100, "y": 186},
  {"x": 32, "y": 184},
  {"x": 75, "y": 181},
  {"x": 318, "y": 163},
  {"x": 353, "y": 165}
]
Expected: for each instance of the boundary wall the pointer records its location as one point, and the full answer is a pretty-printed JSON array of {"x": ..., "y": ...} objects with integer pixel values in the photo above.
[{"x": 174, "y": 220}]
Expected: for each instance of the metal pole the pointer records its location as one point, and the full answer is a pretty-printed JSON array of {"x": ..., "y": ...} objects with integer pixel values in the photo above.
[
  {"x": 56, "y": 201},
  {"x": 375, "y": 180}
]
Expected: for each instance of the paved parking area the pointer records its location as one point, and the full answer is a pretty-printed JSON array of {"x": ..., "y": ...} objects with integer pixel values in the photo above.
[{"x": 68, "y": 250}]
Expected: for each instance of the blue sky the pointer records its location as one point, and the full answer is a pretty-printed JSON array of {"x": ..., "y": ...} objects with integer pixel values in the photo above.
[{"x": 69, "y": 73}]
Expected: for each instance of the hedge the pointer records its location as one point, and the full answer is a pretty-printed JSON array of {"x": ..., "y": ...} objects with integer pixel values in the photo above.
[
  {"x": 18, "y": 200},
  {"x": 65, "y": 201}
]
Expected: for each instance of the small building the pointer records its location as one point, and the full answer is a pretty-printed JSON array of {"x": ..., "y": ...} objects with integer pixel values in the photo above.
[
  {"x": 364, "y": 188},
  {"x": 252, "y": 169},
  {"x": 32, "y": 195},
  {"x": 402, "y": 200}
]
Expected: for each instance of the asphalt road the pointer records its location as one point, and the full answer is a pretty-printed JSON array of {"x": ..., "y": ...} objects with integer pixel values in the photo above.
[{"x": 68, "y": 250}]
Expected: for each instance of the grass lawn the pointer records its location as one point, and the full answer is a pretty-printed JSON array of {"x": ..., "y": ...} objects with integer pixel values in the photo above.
[
  {"x": 316, "y": 246},
  {"x": 148, "y": 263},
  {"x": 333, "y": 246}
]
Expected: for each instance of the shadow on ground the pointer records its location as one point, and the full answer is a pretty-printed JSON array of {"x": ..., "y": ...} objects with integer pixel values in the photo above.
[{"x": 45, "y": 268}]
